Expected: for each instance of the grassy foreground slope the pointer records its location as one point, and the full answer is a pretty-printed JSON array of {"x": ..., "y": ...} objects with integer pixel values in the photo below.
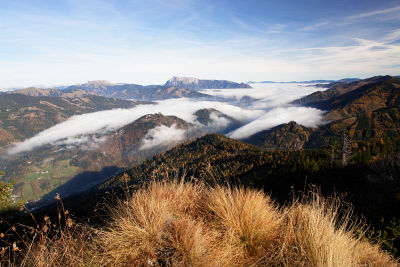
[
  {"x": 175, "y": 223},
  {"x": 372, "y": 188}
]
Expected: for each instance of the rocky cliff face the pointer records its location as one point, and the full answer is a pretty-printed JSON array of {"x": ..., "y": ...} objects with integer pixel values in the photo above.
[{"x": 197, "y": 84}]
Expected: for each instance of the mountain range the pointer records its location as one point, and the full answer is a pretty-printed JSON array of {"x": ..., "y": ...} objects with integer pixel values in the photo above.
[
  {"x": 176, "y": 87},
  {"x": 353, "y": 153},
  {"x": 135, "y": 91},
  {"x": 366, "y": 110},
  {"x": 321, "y": 83},
  {"x": 98, "y": 156},
  {"x": 22, "y": 116}
]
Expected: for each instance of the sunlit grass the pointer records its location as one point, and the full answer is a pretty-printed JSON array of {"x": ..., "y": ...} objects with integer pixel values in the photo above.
[{"x": 178, "y": 223}]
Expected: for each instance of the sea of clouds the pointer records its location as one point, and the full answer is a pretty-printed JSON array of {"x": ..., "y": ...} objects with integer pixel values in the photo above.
[{"x": 267, "y": 106}]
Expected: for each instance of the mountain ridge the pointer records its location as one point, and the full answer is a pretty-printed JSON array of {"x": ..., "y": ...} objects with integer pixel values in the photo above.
[
  {"x": 23, "y": 116},
  {"x": 176, "y": 87},
  {"x": 198, "y": 84},
  {"x": 366, "y": 109},
  {"x": 52, "y": 165}
]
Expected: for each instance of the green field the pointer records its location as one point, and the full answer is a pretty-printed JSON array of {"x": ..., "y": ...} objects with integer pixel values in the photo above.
[
  {"x": 27, "y": 192},
  {"x": 63, "y": 169},
  {"x": 44, "y": 178}
]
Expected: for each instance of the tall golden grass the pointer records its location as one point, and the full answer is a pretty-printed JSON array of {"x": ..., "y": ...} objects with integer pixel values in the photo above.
[{"x": 176, "y": 223}]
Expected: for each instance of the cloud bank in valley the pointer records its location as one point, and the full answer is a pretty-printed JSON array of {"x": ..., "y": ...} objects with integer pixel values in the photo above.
[
  {"x": 103, "y": 122},
  {"x": 217, "y": 122},
  {"x": 267, "y": 94},
  {"x": 268, "y": 108},
  {"x": 309, "y": 117},
  {"x": 162, "y": 135}
]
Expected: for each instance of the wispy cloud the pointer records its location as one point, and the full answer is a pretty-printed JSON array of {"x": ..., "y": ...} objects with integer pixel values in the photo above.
[
  {"x": 392, "y": 36},
  {"x": 221, "y": 62},
  {"x": 376, "y": 12},
  {"x": 315, "y": 26},
  {"x": 276, "y": 28},
  {"x": 148, "y": 41}
]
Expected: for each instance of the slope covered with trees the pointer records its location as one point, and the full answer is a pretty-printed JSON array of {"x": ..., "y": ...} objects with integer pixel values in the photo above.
[
  {"x": 22, "y": 116},
  {"x": 368, "y": 111}
]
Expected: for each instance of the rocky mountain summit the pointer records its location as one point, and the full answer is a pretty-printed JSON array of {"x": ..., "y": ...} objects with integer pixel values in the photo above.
[{"x": 197, "y": 84}]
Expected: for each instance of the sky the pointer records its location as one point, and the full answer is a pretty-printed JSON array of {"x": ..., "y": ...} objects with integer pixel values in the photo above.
[{"x": 50, "y": 42}]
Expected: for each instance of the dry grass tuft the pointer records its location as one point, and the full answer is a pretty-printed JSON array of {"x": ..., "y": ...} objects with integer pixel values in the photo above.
[
  {"x": 247, "y": 222},
  {"x": 176, "y": 223},
  {"x": 158, "y": 225},
  {"x": 313, "y": 236},
  {"x": 73, "y": 249}
]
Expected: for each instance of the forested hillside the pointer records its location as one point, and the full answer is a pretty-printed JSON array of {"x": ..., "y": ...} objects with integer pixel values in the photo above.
[{"x": 23, "y": 116}]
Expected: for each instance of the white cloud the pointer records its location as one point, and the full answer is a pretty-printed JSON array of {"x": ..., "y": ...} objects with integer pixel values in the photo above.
[
  {"x": 135, "y": 46},
  {"x": 376, "y": 12},
  {"x": 82, "y": 129},
  {"x": 85, "y": 142},
  {"x": 110, "y": 120},
  {"x": 213, "y": 61},
  {"x": 315, "y": 26},
  {"x": 218, "y": 122},
  {"x": 267, "y": 95},
  {"x": 162, "y": 136},
  {"x": 309, "y": 117}
]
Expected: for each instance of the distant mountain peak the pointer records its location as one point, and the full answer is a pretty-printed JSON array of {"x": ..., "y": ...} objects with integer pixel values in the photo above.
[
  {"x": 187, "y": 80},
  {"x": 96, "y": 83},
  {"x": 198, "y": 84}
]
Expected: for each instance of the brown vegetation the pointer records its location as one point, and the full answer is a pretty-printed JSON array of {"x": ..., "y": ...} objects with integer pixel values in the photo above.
[{"x": 178, "y": 223}]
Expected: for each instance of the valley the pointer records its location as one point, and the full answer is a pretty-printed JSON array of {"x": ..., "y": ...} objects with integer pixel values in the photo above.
[
  {"x": 47, "y": 165},
  {"x": 111, "y": 150}
]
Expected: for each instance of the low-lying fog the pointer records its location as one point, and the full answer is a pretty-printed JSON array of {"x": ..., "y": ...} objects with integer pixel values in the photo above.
[{"x": 259, "y": 108}]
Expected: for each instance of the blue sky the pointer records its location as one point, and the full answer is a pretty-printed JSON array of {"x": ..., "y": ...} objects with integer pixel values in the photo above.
[{"x": 52, "y": 42}]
